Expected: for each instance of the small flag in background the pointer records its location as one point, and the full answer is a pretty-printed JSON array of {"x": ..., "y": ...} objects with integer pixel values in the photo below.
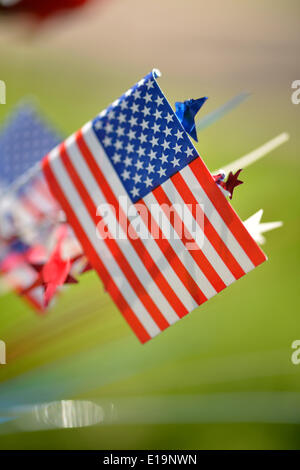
[
  {"x": 132, "y": 186},
  {"x": 33, "y": 204},
  {"x": 25, "y": 139}
]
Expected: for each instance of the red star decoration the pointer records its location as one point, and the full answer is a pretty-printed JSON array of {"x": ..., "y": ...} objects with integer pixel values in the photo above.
[
  {"x": 52, "y": 274},
  {"x": 231, "y": 183}
]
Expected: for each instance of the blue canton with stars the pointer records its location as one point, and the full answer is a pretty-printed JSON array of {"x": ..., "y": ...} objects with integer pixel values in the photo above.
[
  {"x": 143, "y": 138},
  {"x": 24, "y": 140}
]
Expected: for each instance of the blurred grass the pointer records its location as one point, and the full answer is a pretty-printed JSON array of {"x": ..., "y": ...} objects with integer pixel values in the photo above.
[{"x": 239, "y": 341}]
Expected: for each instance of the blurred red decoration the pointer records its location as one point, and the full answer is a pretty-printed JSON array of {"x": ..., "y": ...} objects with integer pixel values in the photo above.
[{"x": 41, "y": 8}]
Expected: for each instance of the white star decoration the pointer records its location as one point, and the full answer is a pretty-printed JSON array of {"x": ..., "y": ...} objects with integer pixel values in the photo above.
[{"x": 256, "y": 228}]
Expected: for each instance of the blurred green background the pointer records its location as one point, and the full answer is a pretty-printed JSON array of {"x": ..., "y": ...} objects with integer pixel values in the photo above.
[{"x": 222, "y": 378}]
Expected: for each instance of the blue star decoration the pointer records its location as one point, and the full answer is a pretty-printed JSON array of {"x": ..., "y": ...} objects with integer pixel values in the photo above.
[{"x": 186, "y": 113}]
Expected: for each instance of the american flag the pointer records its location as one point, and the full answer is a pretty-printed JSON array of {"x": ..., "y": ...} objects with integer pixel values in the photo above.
[
  {"x": 24, "y": 139},
  {"x": 136, "y": 160}
]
